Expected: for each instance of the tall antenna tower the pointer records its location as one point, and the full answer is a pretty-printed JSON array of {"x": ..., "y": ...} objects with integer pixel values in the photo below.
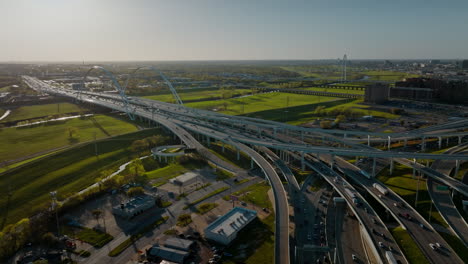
[{"x": 343, "y": 73}]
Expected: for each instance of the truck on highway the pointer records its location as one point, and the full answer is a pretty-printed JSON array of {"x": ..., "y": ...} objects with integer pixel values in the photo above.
[
  {"x": 380, "y": 188},
  {"x": 350, "y": 193},
  {"x": 390, "y": 258}
]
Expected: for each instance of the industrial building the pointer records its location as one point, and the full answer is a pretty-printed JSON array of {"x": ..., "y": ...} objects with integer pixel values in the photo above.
[
  {"x": 157, "y": 252},
  {"x": 134, "y": 207},
  {"x": 179, "y": 243},
  {"x": 185, "y": 179},
  {"x": 377, "y": 93},
  {"x": 428, "y": 89},
  {"x": 224, "y": 229}
]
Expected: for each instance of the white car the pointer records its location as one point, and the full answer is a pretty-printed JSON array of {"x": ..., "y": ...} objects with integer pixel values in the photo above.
[{"x": 433, "y": 246}]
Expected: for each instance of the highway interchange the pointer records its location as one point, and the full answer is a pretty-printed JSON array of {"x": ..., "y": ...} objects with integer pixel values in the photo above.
[{"x": 252, "y": 136}]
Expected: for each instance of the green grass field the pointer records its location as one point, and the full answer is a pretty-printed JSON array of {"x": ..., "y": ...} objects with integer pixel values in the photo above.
[
  {"x": 67, "y": 172},
  {"x": 259, "y": 102},
  {"x": 409, "y": 247},
  {"x": 357, "y": 106},
  {"x": 90, "y": 236},
  {"x": 388, "y": 75},
  {"x": 199, "y": 94},
  {"x": 255, "y": 194},
  {"x": 162, "y": 175},
  {"x": 34, "y": 111},
  {"x": 405, "y": 186},
  {"x": 20, "y": 142}
]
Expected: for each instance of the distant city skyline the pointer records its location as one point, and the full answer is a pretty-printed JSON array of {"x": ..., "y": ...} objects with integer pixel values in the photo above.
[{"x": 207, "y": 30}]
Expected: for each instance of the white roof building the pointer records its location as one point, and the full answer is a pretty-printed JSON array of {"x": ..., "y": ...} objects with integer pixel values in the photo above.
[
  {"x": 224, "y": 229},
  {"x": 185, "y": 179}
]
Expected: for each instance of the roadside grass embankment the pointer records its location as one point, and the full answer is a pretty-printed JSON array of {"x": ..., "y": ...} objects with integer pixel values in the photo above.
[
  {"x": 66, "y": 172},
  {"x": 35, "y": 111},
  {"x": 24, "y": 141}
]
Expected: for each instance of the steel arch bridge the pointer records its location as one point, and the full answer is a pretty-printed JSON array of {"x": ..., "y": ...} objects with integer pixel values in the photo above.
[
  {"x": 118, "y": 87},
  {"x": 166, "y": 80}
]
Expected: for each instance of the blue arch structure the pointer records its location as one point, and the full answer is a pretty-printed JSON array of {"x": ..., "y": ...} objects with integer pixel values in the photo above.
[
  {"x": 166, "y": 80},
  {"x": 118, "y": 87}
]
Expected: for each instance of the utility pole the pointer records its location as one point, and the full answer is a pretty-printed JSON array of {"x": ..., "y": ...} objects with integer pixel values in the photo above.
[{"x": 53, "y": 195}]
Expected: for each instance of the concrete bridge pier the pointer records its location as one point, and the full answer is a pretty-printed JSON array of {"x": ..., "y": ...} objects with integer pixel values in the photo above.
[
  {"x": 391, "y": 166},
  {"x": 414, "y": 169},
  {"x": 302, "y": 161},
  {"x": 368, "y": 140},
  {"x": 457, "y": 167},
  {"x": 373, "y": 167},
  {"x": 440, "y": 142},
  {"x": 222, "y": 147},
  {"x": 208, "y": 141},
  {"x": 447, "y": 143},
  {"x": 423, "y": 144},
  {"x": 459, "y": 140},
  {"x": 251, "y": 163},
  {"x": 238, "y": 154},
  {"x": 332, "y": 162},
  {"x": 389, "y": 142}
]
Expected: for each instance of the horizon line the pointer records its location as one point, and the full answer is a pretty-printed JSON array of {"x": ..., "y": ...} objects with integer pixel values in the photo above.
[{"x": 215, "y": 60}]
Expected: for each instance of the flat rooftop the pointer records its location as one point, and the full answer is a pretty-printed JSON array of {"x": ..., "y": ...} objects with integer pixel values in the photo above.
[
  {"x": 184, "y": 177},
  {"x": 232, "y": 221},
  {"x": 178, "y": 243}
]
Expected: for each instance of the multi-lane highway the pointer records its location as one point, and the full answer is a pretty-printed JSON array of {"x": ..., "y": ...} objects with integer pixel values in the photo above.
[
  {"x": 374, "y": 228},
  {"x": 418, "y": 228},
  {"x": 442, "y": 199},
  {"x": 239, "y": 131}
]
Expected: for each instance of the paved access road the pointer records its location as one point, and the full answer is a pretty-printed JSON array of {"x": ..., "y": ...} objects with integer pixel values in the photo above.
[
  {"x": 442, "y": 198},
  {"x": 422, "y": 236}
]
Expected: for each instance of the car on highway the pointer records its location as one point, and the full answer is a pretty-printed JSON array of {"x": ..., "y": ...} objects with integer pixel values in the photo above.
[
  {"x": 433, "y": 246},
  {"x": 354, "y": 257},
  {"x": 381, "y": 245}
]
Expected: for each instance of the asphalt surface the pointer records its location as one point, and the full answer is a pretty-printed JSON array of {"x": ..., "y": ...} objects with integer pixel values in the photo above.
[
  {"x": 442, "y": 198},
  {"x": 371, "y": 222},
  {"x": 422, "y": 236}
]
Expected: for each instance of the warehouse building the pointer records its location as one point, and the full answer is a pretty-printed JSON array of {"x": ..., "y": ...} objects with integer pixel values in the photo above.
[
  {"x": 224, "y": 229},
  {"x": 179, "y": 243},
  {"x": 134, "y": 207},
  {"x": 169, "y": 254},
  {"x": 185, "y": 179}
]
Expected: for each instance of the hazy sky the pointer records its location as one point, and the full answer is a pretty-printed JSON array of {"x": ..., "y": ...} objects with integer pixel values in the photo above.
[{"x": 64, "y": 30}]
